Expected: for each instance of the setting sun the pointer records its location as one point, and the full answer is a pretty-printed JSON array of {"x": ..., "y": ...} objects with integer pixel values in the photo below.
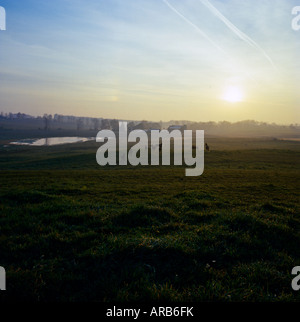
[{"x": 233, "y": 94}]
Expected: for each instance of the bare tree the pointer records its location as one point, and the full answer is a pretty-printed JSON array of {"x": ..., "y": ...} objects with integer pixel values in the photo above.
[
  {"x": 105, "y": 124},
  {"x": 47, "y": 121},
  {"x": 96, "y": 124},
  {"x": 79, "y": 124}
]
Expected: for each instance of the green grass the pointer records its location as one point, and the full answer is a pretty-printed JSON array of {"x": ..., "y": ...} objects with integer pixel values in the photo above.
[{"x": 72, "y": 231}]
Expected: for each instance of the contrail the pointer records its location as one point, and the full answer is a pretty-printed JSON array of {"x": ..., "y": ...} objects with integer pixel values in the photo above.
[
  {"x": 202, "y": 33},
  {"x": 238, "y": 32}
]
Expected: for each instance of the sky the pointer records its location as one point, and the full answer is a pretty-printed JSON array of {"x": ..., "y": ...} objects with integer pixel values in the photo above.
[{"x": 196, "y": 60}]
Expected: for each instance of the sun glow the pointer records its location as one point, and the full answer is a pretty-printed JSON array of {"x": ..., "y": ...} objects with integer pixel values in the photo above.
[{"x": 233, "y": 94}]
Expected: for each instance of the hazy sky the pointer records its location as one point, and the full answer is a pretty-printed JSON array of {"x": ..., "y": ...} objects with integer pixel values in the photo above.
[{"x": 152, "y": 59}]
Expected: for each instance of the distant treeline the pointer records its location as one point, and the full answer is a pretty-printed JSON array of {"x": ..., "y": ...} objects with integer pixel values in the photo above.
[
  {"x": 57, "y": 122},
  {"x": 248, "y": 128}
]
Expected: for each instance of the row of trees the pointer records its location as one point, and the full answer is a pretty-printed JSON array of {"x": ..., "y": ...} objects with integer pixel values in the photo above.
[
  {"x": 248, "y": 127},
  {"x": 11, "y": 116},
  {"x": 81, "y": 123}
]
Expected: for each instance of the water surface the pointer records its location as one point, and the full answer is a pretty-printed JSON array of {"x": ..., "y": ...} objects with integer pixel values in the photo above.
[{"x": 51, "y": 141}]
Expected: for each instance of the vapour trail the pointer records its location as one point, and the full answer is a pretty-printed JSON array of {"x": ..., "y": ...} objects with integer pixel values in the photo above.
[
  {"x": 202, "y": 33},
  {"x": 237, "y": 31}
]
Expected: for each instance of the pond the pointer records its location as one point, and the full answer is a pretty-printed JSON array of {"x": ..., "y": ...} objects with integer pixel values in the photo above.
[{"x": 51, "y": 141}]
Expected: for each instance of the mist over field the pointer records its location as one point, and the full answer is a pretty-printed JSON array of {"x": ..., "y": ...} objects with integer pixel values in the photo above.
[{"x": 19, "y": 125}]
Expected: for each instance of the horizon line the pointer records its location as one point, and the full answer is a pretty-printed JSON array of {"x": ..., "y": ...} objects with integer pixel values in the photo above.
[{"x": 151, "y": 121}]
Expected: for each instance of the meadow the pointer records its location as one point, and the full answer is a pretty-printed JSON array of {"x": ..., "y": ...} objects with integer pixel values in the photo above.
[{"x": 73, "y": 231}]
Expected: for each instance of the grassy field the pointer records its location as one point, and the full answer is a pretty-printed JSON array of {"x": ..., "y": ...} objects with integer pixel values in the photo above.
[{"x": 72, "y": 231}]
